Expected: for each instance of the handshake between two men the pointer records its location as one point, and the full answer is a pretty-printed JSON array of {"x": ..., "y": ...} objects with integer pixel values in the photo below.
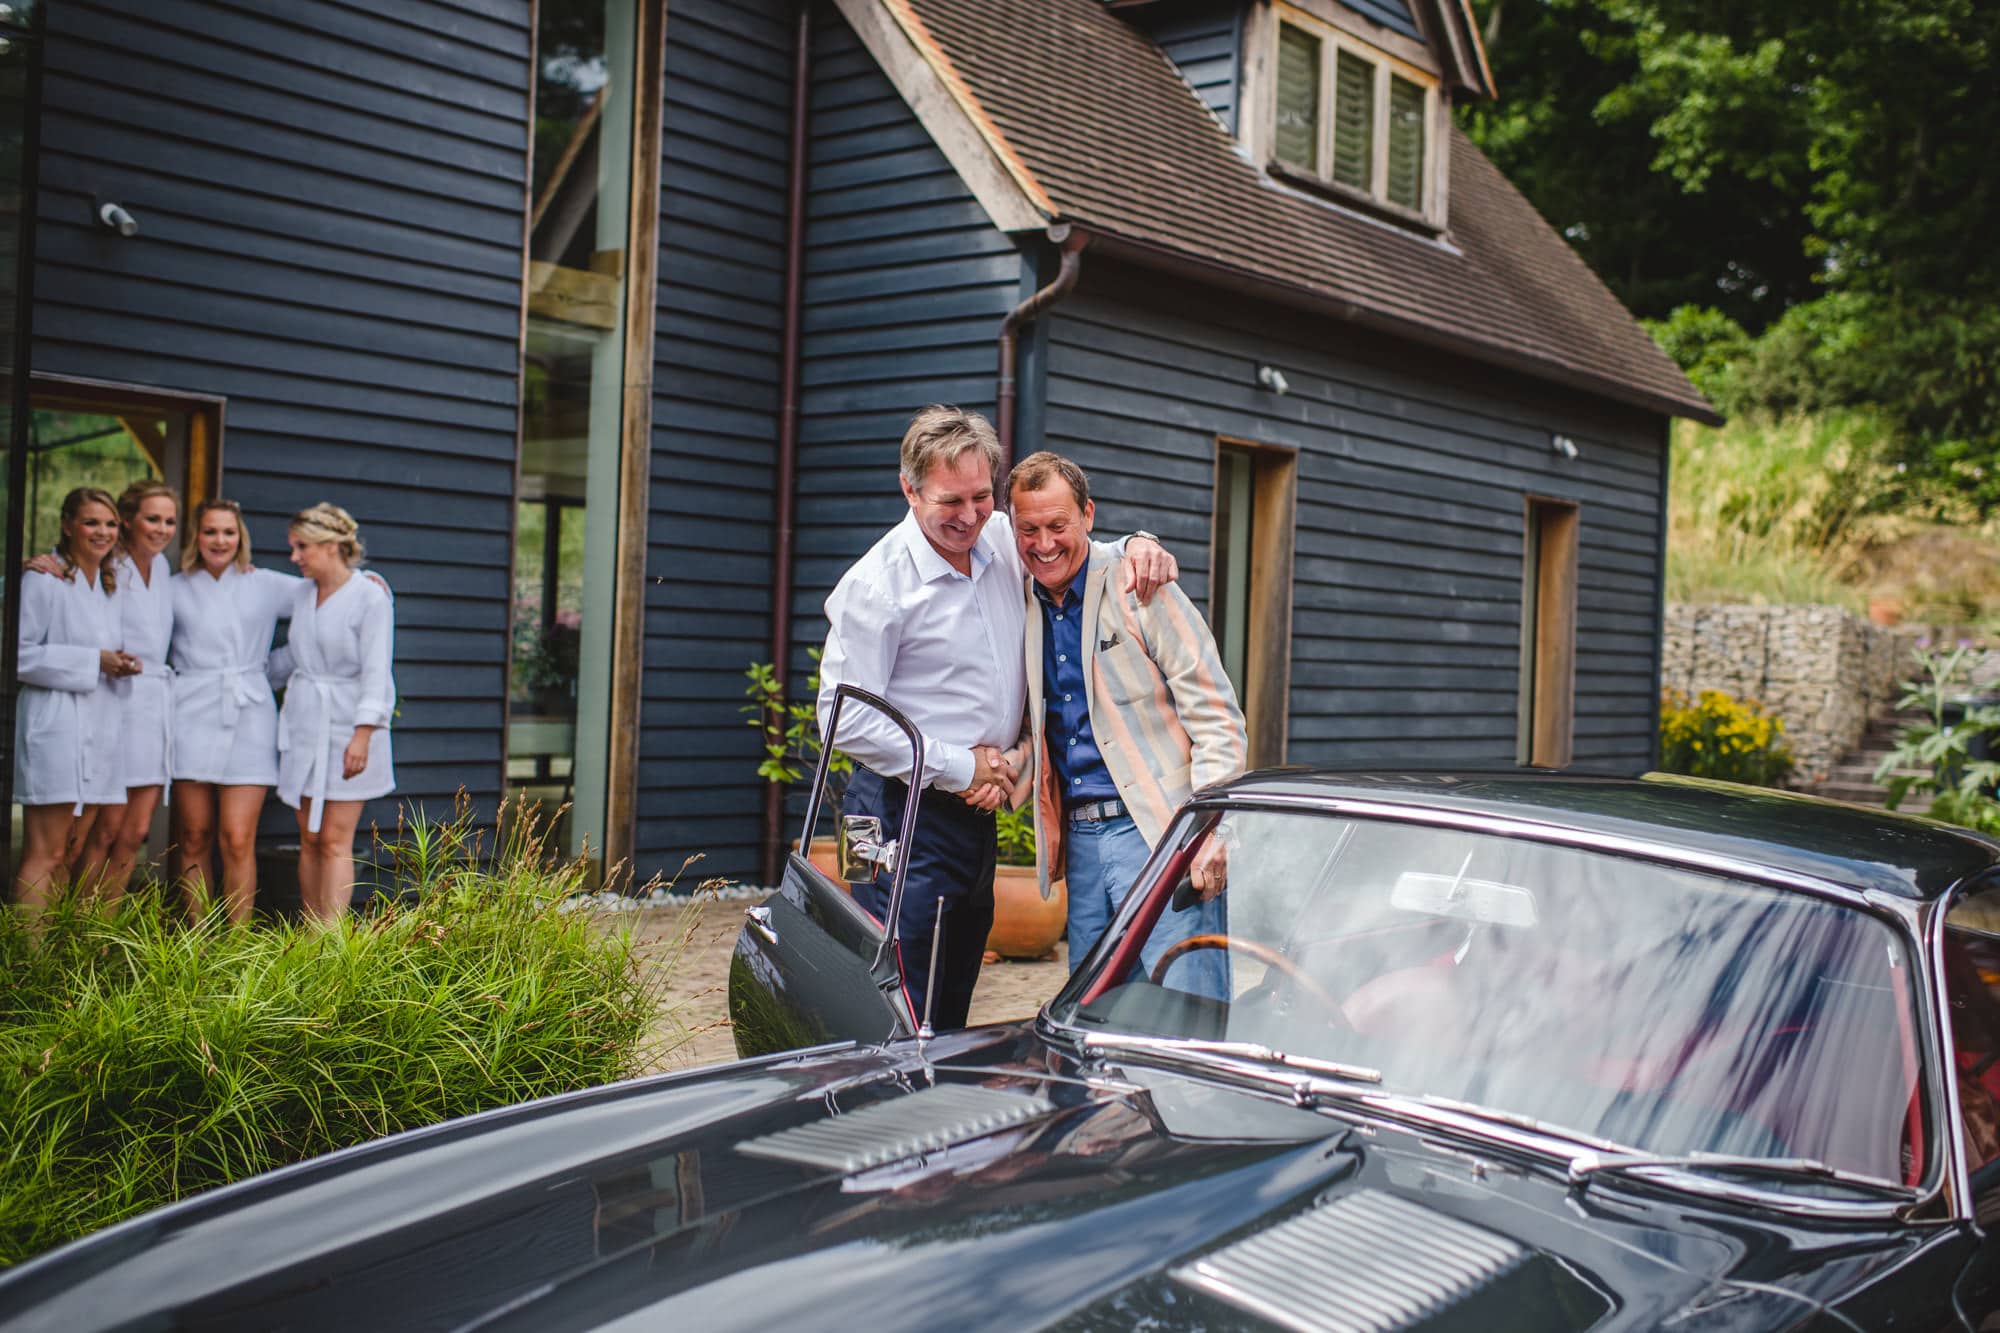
[{"x": 997, "y": 776}]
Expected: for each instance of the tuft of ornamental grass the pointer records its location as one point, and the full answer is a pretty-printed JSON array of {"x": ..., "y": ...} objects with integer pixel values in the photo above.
[
  {"x": 143, "y": 1058},
  {"x": 1773, "y": 512}
]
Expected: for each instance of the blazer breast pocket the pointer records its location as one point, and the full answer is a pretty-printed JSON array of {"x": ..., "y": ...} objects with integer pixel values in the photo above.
[{"x": 1122, "y": 666}]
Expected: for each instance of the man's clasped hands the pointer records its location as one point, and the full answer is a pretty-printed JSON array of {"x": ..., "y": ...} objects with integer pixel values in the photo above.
[{"x": 997, "y": 775}]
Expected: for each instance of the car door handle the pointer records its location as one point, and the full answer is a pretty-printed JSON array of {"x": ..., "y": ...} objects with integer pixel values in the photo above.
[{"x": 760, "y": 921}]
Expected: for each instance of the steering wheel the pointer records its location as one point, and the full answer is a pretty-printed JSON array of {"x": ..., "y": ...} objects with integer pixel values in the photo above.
[{"x": 1263, "y": 953}]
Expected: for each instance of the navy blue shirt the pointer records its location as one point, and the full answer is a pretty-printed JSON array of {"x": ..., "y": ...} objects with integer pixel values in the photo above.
[{"x": 1080, "y": 771}]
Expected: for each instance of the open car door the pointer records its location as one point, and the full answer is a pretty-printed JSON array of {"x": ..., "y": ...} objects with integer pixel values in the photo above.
[{"x": 812, "y": 965}]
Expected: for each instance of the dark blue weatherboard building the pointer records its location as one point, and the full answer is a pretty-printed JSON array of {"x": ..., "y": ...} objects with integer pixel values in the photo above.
[{"x": 605, "y": 316}]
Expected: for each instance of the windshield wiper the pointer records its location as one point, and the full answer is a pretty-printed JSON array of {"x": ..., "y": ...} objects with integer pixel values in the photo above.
[
  {"x": 1203, "y": 1053},
  {"x": 1583, "y": 1168}
]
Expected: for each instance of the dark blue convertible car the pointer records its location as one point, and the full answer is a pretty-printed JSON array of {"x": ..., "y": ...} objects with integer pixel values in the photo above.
[{"x": 1457, "y": 1052}]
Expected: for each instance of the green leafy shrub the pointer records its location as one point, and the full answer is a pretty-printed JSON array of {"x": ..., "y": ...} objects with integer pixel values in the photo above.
[
  {"x": 1016, "y": 829},
  {"x": 790, "y": 729},
  {"x": 1714, "y": 736},
  {"x": 1940, "y": 747},
  {"x": 142, "y": 1060}
]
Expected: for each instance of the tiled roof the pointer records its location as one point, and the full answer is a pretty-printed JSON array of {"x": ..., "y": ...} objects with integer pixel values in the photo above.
[{"x": 1110, "y": 137}]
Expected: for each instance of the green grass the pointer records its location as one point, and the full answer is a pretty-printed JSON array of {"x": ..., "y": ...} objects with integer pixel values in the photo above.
[
  {"x": 1773, "y": 512},
  {"x": 142, "y": 1059}
]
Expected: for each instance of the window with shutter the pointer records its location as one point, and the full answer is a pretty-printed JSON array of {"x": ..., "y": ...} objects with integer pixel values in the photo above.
[
  {"x": 1354, "y": 122},
  {"x": 1298, "y": 98},
  {"x": 1346, "y": 116},
  {"x": 1406, "y": 143}
]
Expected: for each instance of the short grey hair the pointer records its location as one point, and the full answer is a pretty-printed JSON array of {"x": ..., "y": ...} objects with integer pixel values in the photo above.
[
  {"x": 1036, "y": 471},
  {"x": 942, "y": 434}
]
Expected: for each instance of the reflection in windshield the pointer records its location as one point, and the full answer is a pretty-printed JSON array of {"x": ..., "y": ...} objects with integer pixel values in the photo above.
[{"x": 1659, "y": 1008}]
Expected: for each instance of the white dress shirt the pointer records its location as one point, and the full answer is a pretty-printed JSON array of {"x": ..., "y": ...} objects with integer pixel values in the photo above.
[{"x": 942, "y": 646}]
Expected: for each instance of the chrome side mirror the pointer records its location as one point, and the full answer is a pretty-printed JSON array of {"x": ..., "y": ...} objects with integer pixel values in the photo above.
[{"x": 862, "y": 851}]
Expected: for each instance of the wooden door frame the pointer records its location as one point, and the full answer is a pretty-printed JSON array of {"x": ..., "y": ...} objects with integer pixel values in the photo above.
[
  {"x": 1267, "y": 649},
  {"x": 1550, "y": 540}
]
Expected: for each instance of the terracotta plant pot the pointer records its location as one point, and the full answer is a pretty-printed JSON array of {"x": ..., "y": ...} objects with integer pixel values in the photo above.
[
  {"x": 824, "y": 856},
  {"x": 1024, "y": 924}
]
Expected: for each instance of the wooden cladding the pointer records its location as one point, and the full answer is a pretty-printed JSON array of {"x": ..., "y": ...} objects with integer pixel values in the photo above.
[
  {"x": 1250, "y": 585},
  {"x": 1548, "y": 633}
]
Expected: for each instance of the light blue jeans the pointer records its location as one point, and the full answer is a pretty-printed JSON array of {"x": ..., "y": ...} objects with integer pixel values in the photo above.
[{"x": 1104, "y": 859}]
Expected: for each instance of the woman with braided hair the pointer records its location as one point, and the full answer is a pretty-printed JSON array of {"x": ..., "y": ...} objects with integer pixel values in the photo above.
[{"x": 333, "y": 732}]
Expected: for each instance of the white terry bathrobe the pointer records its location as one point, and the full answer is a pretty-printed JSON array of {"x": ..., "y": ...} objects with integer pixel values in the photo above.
[
  {"x": 336, "y": 670},
  {"x": 66, "y": 718},
  {"x": 225, "y": 717},
  {"x": 145, "y": 701}
]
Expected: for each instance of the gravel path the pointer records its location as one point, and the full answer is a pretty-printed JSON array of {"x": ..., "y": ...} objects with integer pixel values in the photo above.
[{"x": 693, "y": 1027}]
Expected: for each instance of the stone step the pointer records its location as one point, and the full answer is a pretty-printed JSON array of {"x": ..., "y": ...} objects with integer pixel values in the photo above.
[{"x": 1856, "y": 793}]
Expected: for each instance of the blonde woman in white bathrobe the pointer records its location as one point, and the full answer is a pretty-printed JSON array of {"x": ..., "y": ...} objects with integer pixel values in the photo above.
[
  {"x": 66, "y": 718},
  {"x": 333, "y": 733},
  {"x": 148, "y": 518},
  {"x": 225, "y": 717}
]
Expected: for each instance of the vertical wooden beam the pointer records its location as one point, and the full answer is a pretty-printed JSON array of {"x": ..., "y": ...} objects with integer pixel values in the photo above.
[
  {"x": 1266, "y": 689},
  {"x": 642, "y": 252},
  {"x": 1274, "y": 520},
  {"x": 1553, "y": 549}
]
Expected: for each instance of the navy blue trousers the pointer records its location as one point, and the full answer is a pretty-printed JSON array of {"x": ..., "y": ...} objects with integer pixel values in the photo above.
[{"x": 951, "y": 863}]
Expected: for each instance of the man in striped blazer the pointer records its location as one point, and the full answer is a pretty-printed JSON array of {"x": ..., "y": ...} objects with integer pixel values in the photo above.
[{"x": 1129, "y": 711}]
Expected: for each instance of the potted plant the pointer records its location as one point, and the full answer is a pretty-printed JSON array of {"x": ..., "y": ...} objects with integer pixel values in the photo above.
[
  {"x": 790, "y": 728},
  {"x": 1024, "y": 924}
]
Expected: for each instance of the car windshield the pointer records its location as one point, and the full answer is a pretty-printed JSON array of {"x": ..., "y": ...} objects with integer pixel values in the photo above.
[{"x": 1662, "y": 1009}]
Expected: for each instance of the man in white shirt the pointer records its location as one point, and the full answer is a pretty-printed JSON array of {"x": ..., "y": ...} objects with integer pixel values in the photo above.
[{"x": 932, "y": 619}]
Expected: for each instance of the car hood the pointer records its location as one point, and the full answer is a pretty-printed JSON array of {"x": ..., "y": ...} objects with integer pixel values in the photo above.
[{"x": 984, "y": 1185}]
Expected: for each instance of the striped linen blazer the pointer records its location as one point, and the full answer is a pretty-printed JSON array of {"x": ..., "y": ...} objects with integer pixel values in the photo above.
[{"x": 1163, "y": 712}]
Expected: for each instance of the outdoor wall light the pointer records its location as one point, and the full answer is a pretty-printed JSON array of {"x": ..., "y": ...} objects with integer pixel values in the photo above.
[
  {"x": 1563, "y": 445},
  {"x": 1273, "y": 379},
  {"x": 117, "y": 219}
]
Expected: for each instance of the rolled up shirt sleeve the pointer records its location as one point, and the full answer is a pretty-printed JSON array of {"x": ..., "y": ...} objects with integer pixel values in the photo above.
[{"x": 861, "y": 641}]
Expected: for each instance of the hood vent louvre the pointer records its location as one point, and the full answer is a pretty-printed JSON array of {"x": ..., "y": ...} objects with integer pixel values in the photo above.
[
  {"x": 1366, "y": 1262},
  {"x": 891, "y": 1131}
]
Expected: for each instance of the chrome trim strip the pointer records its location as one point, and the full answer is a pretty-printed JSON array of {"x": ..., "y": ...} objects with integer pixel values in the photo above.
[
  {"x": 1957, "y": 1171},
  {"x": 1541, "y": 831}
]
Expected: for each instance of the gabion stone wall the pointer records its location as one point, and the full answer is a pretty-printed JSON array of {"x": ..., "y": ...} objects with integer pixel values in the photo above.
[{"x": 1821, "y": 670}]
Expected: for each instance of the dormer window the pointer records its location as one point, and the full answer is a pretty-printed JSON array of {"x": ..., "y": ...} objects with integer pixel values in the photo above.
[{"x": 1351, "y": 117}]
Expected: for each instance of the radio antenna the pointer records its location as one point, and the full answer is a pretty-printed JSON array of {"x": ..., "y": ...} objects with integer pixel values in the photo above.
[{"x": 924, "y": 1029}]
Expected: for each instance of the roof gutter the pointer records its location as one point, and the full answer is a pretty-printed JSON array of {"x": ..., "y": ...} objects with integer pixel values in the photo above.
[
  {"x": 785, "y": 484},
  {"x": 1304, "y": 298},
  {"x": 1072, "y": 240}
]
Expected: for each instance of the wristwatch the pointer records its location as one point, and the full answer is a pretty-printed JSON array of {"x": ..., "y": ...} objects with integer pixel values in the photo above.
[{"x": 1148, "y": 536}]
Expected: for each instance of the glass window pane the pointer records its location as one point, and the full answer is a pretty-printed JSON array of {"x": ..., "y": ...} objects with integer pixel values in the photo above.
[
  {"x": 572, "y": 412},
  {"x": 70, "y": 447},
  {"x": 1298, "y": 98},
  {"x": 1406, "y": 143},
  {"x": 1229, "y": 582},
  {"x": 1354, "y": 122}
]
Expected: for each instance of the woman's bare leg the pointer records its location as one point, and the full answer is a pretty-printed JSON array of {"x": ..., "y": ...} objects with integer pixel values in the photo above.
[
  {"x": 326, "y": 859},
  {"x": 240, "y": 807},
  {"x": 81, "y": 856},
  {"x": 45, "y": 833},
  {"x": 194, "y": 840},
  {"x": 129, "y": 831}
]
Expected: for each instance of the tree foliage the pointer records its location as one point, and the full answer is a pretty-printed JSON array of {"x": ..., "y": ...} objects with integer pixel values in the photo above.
[{"x": 1822, "y": 175}]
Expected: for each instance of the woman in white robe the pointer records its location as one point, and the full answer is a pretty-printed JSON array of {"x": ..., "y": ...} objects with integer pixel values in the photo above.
[
  {"x": 333, "y": 733},
  {"x": 148, "y": 517},
  {"x": 66, "y": 760},
  {"x": 225, "y": 716}
]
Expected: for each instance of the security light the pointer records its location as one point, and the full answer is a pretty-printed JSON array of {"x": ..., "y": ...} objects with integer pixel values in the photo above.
[{"x": 117, "y": 219}]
